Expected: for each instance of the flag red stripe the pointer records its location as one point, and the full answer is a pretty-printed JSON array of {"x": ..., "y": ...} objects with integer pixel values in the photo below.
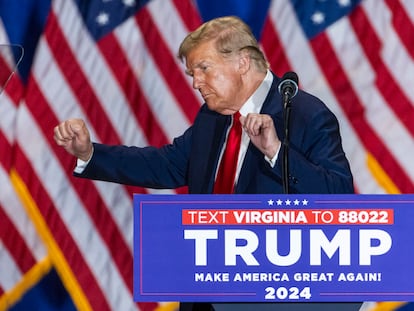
[
  {"x": 403, "y": 25},
  {"x": 6, "y": 156},
  {"x": 93, "y": 202},
  {"x": 273, "y": 49},
  {"x": 139, "y": 105},
  {"x": 79, "y": 83},
  {"x": 14, "y": 87},
  {"x": 173, "y": 76},
  {"x": 189, "y": 14},
  {"x": 385, "y": 82},
  {"x": 61, "y": 235},
  {"x": 4, "y": 72},
  {"x": 354, "y": 111},
  {"x": 15, "y": 243}
]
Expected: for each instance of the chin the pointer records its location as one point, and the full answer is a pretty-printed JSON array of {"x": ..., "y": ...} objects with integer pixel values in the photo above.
[
  {"x": 212, "y": 106},
  {"x": 219, "y": 109}
]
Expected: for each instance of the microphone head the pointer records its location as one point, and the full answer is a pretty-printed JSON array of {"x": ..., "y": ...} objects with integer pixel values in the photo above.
[
  {"x": 289, "y": 84},
  {"x": 291, "y": 75}
]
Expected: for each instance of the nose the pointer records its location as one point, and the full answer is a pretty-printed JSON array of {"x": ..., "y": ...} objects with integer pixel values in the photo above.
[{"x": 196, "y": 81}]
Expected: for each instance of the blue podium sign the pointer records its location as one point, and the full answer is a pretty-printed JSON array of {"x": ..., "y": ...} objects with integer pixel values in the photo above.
[{"x": 273, "y": 248}]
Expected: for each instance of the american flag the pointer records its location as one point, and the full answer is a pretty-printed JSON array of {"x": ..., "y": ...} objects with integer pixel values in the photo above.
[{"x": 113, "y": 63}]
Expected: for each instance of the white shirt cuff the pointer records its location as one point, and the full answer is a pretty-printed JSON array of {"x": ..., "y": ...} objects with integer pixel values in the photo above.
[
  {"x": 273, "y": 160},
  {"x": 81, "y": 165}
]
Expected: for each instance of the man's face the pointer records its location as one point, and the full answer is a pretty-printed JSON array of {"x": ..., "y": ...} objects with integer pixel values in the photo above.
[{"x": 217, "y": 79}]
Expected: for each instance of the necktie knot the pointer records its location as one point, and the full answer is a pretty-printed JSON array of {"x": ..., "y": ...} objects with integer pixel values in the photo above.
[{"x": 236, "y": 118}]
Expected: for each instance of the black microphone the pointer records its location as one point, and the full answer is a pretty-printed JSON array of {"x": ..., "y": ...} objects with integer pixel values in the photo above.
[{"x": 288, "y": 87}]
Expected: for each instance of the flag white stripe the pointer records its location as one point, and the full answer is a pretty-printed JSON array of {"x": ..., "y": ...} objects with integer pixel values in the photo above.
[
  {"x": 6, "y": 54},
  {"x": 168, "y": 19},
  {"x": 119, "y": 203},
  {"x": 54, "y": 86},
  {"x": 8, "y": 116},
  {"x": 17, "y": 214},
  {"x": 3, "y": 34},
  {"x": 10, "y": 272}
]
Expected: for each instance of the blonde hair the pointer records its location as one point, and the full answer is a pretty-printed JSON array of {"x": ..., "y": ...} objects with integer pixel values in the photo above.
[{"x": 231, "y": 35}]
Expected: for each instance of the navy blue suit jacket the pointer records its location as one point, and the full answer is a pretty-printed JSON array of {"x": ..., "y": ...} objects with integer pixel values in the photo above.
[{"x": 317, "y": 162}]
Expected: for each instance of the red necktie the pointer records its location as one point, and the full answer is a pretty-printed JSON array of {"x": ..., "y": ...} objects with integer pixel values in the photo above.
[{"x": 227, "y": 171}]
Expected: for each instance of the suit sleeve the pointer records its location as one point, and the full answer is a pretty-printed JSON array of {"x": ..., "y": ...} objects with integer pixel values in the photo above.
[
  {"x": 150, "y": 167},
  {"x": 317, "y": 162}
]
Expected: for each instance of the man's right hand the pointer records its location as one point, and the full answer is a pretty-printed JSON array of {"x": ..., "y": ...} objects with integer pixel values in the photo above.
[{"x": 73, "y": 135}]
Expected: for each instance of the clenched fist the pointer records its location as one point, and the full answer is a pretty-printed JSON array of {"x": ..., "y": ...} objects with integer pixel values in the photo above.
[
  {"x": 262, "y": 133},
  {"x": 74, "y": 137}
]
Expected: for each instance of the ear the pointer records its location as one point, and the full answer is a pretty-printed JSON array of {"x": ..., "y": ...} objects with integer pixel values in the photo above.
[{"x": 244, "y": 62}]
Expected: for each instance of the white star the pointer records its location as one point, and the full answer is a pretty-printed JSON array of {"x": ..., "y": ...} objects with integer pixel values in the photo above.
[
  {"x": 296, "y": 202},
  {"x": 279, "y": 202},
  {"x": 270, "y": 202},
  {"x": 129, "y": 3},
  {"x": 102, "y": 19},
  {"x": 287, "y": 202},
  {"x": 344, "y": 3},
  {"x": 318, "y": 17},
  {"x": 305, "y": 202}
]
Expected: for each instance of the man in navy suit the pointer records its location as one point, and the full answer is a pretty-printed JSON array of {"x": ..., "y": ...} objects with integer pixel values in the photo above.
[{"x": 230, "y": 72}]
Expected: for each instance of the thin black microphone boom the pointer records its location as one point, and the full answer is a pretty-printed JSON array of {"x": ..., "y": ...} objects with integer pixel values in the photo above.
[
  {"x": 288, "y": 88},
  {"x": 14, "y": 54}
]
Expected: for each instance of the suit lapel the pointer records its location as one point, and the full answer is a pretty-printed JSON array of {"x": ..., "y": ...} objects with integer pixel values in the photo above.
[
  {"x": 209, "y": 142},
  {"x": 253, "y": 159}
]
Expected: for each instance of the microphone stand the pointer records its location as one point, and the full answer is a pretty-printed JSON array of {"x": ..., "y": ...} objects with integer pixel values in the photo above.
[
  {"x": 285, "y": 155},
  {"x": 288, "y": 88}
]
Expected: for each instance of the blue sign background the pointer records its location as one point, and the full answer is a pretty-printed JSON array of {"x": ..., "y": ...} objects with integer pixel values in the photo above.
[{"x": 164, "y": 262}]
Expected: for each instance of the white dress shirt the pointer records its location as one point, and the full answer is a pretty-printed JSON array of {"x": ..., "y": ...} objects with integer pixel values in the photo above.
[{"x": 253, "y": 105}]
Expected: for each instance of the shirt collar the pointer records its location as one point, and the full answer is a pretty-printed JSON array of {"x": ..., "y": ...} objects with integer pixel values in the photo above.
[{"x": 255, "y": 102}]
